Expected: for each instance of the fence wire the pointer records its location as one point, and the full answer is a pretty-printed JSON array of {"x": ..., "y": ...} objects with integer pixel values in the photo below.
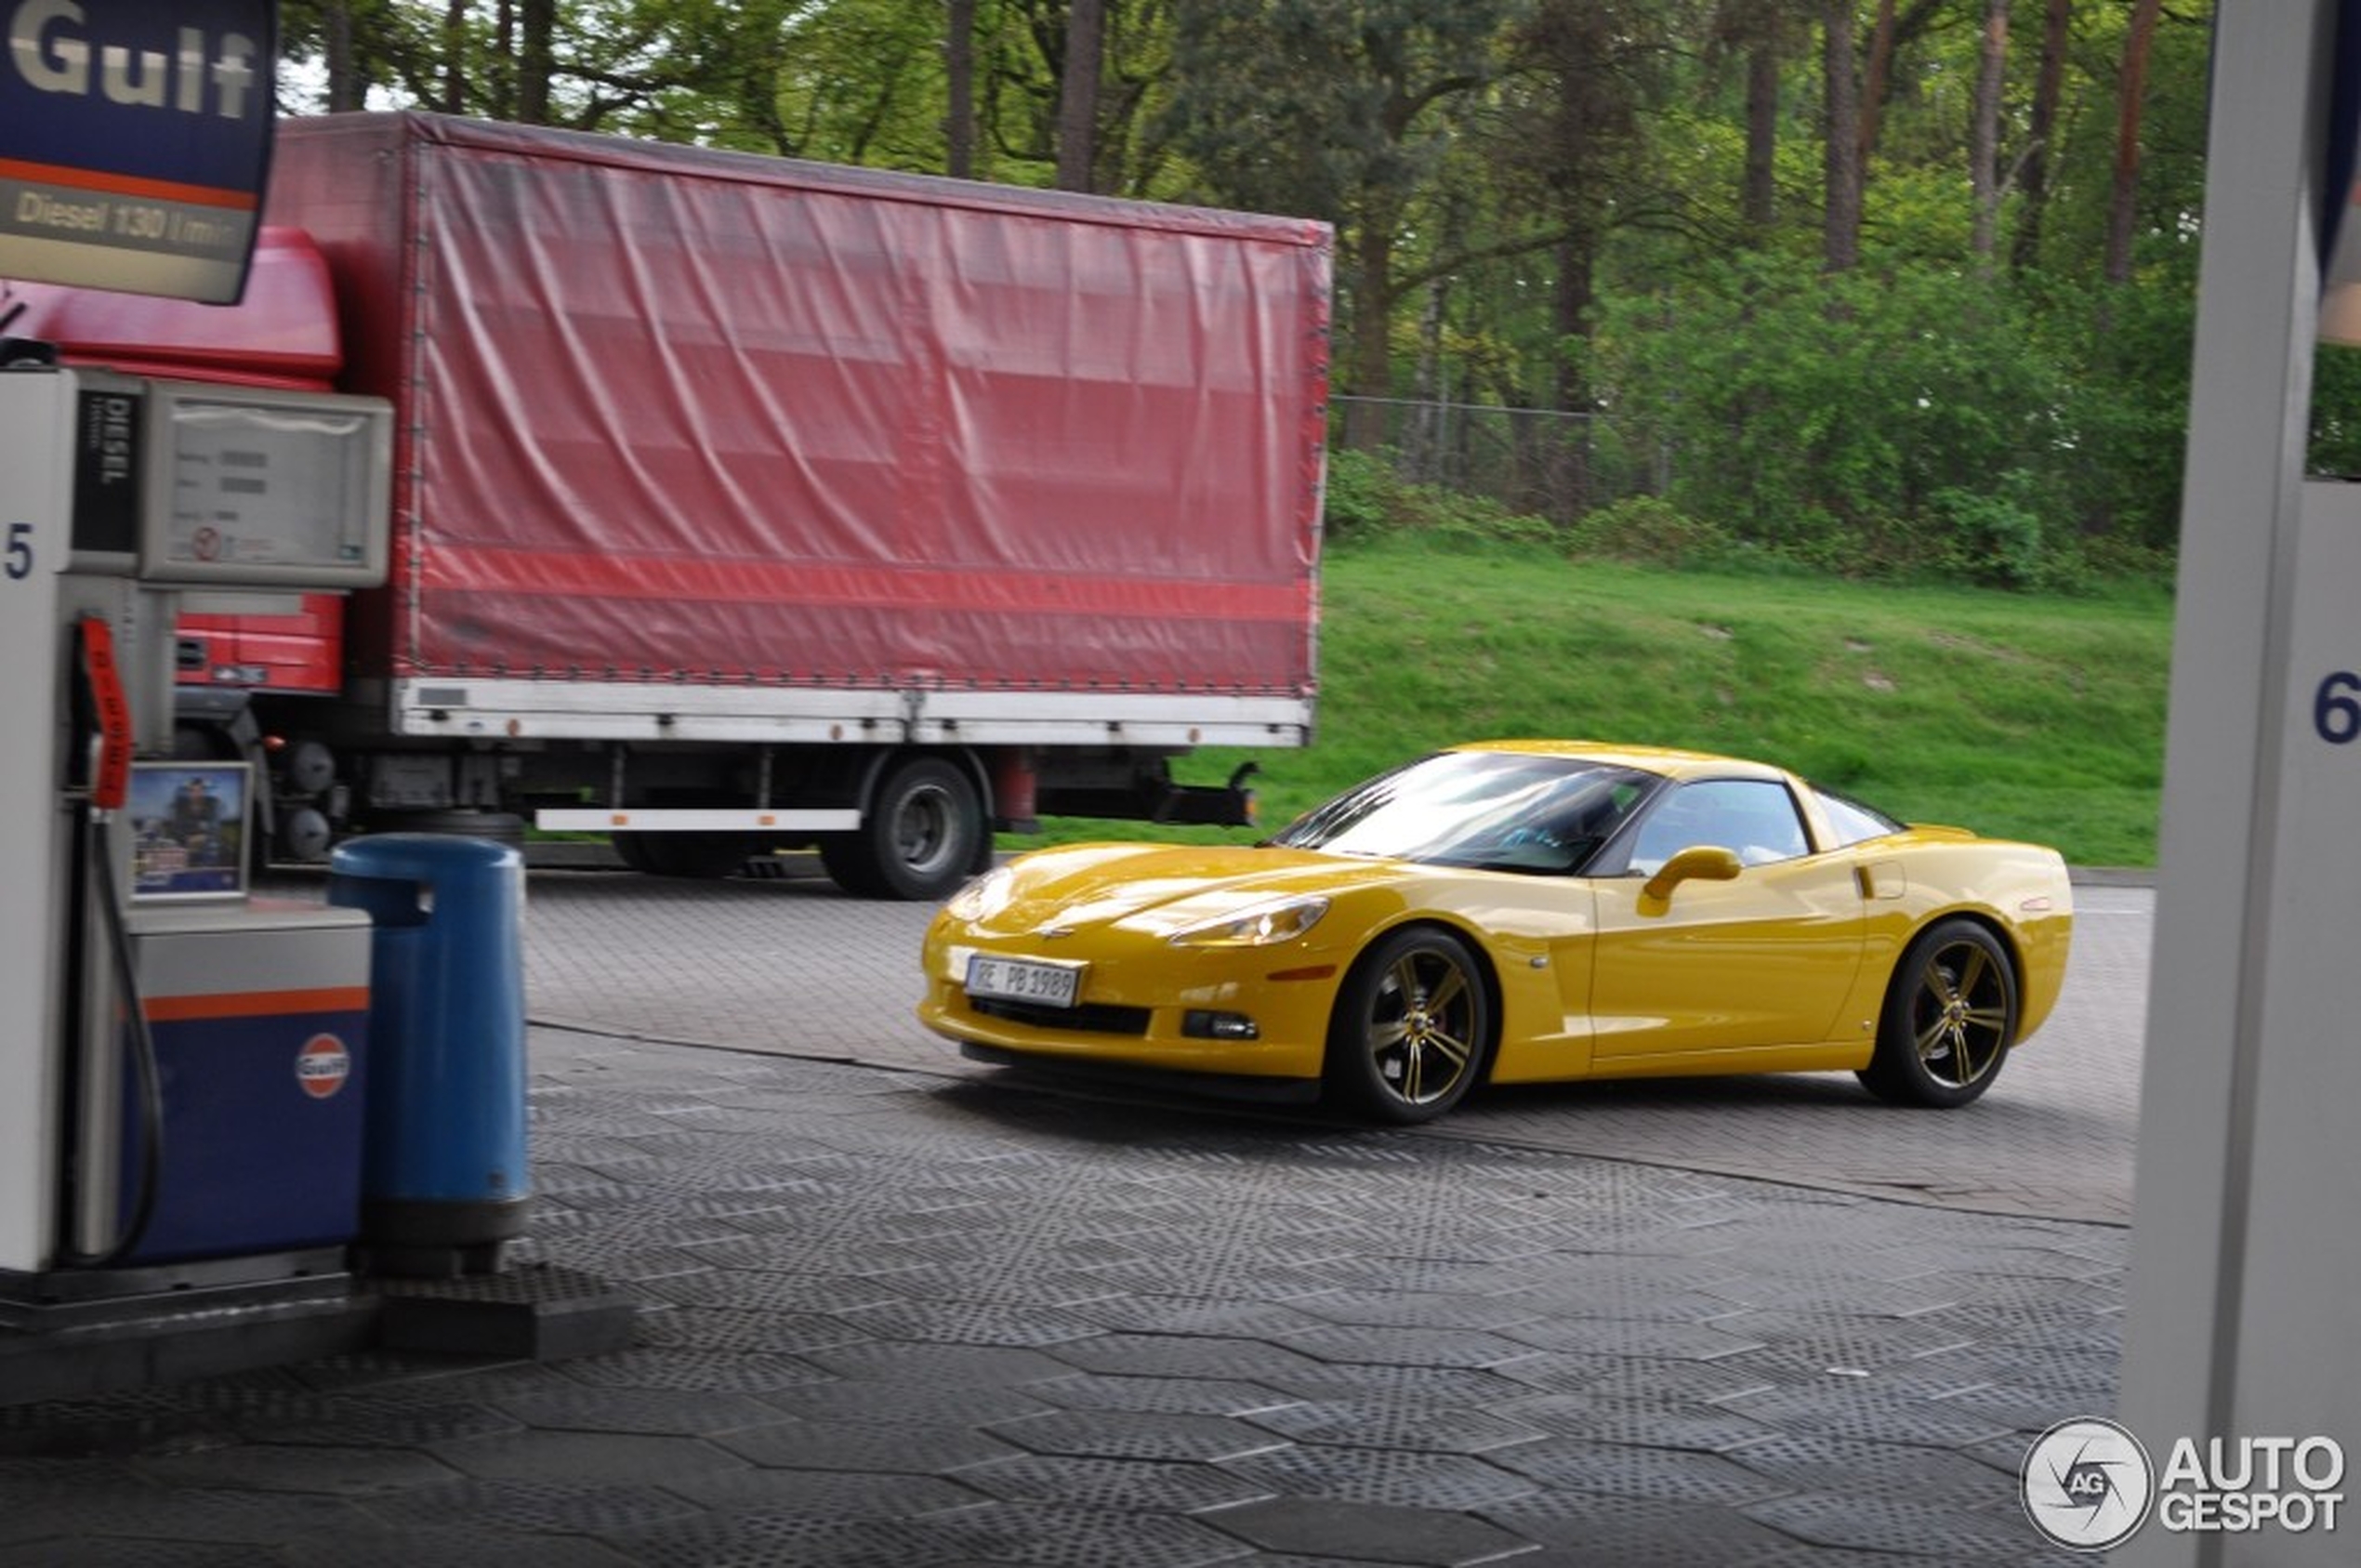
[{"x": 1536, "y": 461}]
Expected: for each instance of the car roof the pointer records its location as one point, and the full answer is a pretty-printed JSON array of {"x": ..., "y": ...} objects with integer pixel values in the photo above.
[{"x": 1672, "y": 762}]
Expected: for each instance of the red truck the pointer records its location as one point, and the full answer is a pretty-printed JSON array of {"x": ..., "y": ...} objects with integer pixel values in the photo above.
[{"x": 743, "y": 504}]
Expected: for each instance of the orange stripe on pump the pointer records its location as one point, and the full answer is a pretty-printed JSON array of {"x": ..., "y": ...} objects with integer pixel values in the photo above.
[
  {"x": 112, "y": 184},
  {"x": 257, "y": 1004}
]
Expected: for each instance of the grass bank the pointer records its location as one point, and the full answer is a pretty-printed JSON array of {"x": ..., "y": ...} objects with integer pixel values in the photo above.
[{"x": 2030, "y": 717}]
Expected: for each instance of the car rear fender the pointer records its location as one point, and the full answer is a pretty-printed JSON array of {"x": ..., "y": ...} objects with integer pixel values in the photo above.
[{"x": 2040, "y": 964}]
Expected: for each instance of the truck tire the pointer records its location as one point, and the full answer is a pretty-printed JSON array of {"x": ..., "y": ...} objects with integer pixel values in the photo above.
[
  {"x": 920, "y": 838},
  {"x": 703, "y": 857},
  {"x": 500, "y": 827},
  {"x": 631, "y": 848}
]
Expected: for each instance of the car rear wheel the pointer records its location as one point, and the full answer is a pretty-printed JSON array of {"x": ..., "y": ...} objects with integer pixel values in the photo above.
[
  {"x": 1950, "y": 1016},
  {"x": 1412, "y": 1030}
]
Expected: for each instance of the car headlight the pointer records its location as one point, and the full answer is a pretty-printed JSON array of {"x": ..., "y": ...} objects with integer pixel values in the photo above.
[
  {"x": 983, "y": 898},
  {"x": 1261, "y": 925}
]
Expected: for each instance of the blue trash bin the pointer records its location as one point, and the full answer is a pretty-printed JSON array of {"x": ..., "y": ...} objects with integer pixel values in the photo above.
[{"x": 444, "y": 1184}]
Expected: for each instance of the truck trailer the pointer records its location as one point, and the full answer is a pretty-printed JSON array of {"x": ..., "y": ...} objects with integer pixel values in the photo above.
[{"x": 744, "y": 504}]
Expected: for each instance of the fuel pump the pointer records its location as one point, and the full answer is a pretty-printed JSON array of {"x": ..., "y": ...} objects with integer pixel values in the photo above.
[{"x": 179, "y": 1056}]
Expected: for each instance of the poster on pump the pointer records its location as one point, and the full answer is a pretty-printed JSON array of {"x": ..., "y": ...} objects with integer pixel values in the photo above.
[{"x": 135, "y": 141}]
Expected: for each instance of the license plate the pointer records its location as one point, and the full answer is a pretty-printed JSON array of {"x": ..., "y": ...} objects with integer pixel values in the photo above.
[{"x": 1024, "y": 980}]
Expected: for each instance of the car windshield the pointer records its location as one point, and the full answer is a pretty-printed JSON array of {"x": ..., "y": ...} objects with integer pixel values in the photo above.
[{"x": 1491, "y": 810}]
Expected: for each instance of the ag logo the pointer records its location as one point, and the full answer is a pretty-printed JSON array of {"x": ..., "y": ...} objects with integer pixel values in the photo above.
[{"x": 2087, "y": 1483}]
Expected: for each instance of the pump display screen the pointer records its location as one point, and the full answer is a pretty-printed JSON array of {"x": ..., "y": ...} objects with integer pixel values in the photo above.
[
  {"x": 190, "y": 823},
  {"x": 265, "y": 488}
]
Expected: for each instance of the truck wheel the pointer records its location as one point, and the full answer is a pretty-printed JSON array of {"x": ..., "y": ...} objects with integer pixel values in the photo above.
[
  {"x": 501, "y": 827},
  {"x": 304, "y": 836},
  {"x": 919, "y": 839},
  {"x": 631, "y": 848},
  {"x": 702, "y": 857}
]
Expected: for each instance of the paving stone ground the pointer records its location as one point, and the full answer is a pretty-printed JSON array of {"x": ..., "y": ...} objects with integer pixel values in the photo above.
[
  {"x": 908, "y": 1316},
  {"x": 786, "y": 964}
]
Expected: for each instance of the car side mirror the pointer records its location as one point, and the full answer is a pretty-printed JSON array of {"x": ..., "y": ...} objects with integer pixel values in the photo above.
[{"x": 1699, "y": 862}]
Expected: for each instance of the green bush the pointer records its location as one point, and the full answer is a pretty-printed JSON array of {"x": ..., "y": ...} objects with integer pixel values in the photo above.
[
  {"x": 1368, "y": 499},
  {"x": 1362, "y": 495},
  {"x": 1651, "y": 531},
  {"x": 1852, "y": 419},
  {"x": 1987, "y": 537}
]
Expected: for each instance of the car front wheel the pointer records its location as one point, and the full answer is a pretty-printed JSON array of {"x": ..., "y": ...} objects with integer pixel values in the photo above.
[
  {"x": 1950, "y": 1016},
  {"x": 1412, "y": 1030}
]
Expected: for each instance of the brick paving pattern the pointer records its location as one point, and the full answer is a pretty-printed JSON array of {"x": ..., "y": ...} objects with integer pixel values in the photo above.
[
  {"x": 786, "y": 965},
  {"x": 895, "y": 1310}
]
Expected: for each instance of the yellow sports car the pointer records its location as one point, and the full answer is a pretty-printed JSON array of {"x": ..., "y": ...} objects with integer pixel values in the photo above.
[{"x": 1516, "y": 911}]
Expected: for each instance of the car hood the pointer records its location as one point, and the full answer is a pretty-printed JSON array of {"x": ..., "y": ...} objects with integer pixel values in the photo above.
[{"x": 1157, "y": 890}]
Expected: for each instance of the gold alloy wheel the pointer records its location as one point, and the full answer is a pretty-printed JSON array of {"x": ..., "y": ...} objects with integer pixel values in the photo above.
[
  {"x": 1423, "y": 1025},
  {"x": 1960, "y": 1013},
  {"x": 1949, "y": 1020},
  {"x": 1412, "y": 1030}
]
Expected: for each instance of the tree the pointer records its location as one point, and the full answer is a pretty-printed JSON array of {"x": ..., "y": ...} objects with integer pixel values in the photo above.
[
  {"x": 1759, "y": 35},
  {"x": 1984, "y": 143},
  {"x": 2131, "y": 87},
  {"x": 1078, "y": 96},
  {"x": 347, "y": 88},
  {"x": 960, "y": 67},
  {"x": 1336, "y": 109},
  {"x": 455, "y": 55},
  {"x": 1841, "y": 138},
  {"x": 2033, "y": 181},
  {"x": 1879, "y": 75},
  {"x": 536, "y": 58},
  {"x": 1532, "y": 197}
]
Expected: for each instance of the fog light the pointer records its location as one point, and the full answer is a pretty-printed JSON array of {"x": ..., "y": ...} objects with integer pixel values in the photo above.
[{"x": 1218, "y": 1026}]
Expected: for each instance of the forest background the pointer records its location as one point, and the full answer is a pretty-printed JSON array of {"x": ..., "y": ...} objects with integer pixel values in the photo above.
[{"x": 1887, "y": 288}]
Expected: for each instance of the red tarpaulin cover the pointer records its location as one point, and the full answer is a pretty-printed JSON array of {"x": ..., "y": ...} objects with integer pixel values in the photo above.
[{"x": 668, "y": 413}]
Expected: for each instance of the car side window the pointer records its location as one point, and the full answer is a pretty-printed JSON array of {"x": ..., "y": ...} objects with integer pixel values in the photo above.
[
  {"x": 1754, "y": 818},
  {"x": 1852, "y": 823}
]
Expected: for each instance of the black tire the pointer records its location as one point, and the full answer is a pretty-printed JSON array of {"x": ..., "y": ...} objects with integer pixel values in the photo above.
[
  {"x": 302, "y": 836},
  {"x": 632, "y": 850},
  {"x": 1412, "y": 1030},
  {"x": 1949, "y": 1018},
  {"x": 501, "y": 827},
  {"x": 697, "y": 857},
  {"x": 921, "y": 838}
]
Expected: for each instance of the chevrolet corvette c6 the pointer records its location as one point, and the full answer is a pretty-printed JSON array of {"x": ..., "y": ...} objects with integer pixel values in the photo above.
[{"x": 1518, "y": 911}]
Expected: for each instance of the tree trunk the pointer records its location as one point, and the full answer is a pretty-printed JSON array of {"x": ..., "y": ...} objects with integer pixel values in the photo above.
[
  {"x": 455, "y": 55},
  {"x": 1425, "y": 424},
  {"x": 1370, "y": 367},
  {"x": 2034, "y": 182},
  {"x": 1984, "y": 140},
  {"x": 1840, "y": 225},
  {"x": 1757, "y": 201},
  {"x": 536, "y": 60},
  {"x": 959, "y": 117},
  {"x": 348, "y": 89},
  {"x": 1880, "y": 75},
  {"x": 1078, "y": 96},
  {"x": 1567, "y": 473},
  {"x": 2131, "y": 93}
]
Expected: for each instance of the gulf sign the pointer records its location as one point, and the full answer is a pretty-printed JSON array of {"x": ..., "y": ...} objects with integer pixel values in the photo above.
[
  {"x": 135, "y": 138},
  {"x": 322, "y": 1067}
]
